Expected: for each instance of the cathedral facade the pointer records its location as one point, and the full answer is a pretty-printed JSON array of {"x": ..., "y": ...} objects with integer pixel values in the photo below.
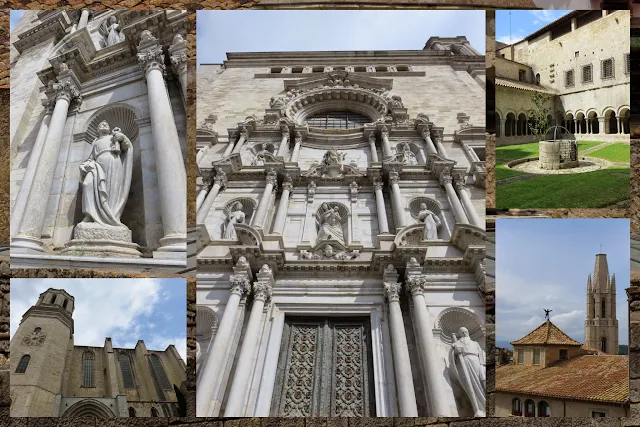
[
  {"x": 52, "y": 377},
  {"x": 341, "y": 233},
  {"x": 98, "y": 137}
]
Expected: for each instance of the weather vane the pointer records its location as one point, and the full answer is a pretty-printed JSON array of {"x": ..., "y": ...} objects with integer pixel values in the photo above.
[{"x": 546, "y": 313}]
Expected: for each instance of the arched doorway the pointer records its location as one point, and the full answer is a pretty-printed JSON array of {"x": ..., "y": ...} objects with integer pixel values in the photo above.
[
  {"x": 510, "y": 125},
  {"x": 611, "y": 122},
  {"x": 594, "y": 125},
  {"x": 571, "y": 125},
  {"x": 522, "y": 125},
  {"x": 89, "y": 408},
  {"x": 582, "y": 124}
]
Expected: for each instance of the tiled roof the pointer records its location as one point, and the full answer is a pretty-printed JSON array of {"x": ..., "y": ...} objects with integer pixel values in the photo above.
[
  {"x": 522, "y": 85},
  {"x": 546, "y": 334},
  {"x": 593, "y": 378}
]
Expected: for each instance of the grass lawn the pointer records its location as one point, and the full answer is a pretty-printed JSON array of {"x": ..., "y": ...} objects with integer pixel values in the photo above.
[
  {"x": 507, "y": 153},
  {"x": 614, "y": 153},
  {"x": 596, "y": 189}
]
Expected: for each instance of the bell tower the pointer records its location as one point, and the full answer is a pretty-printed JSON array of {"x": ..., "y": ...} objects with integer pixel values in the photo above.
[
  {"x": 601, "y": 325},
  {"x": 39, "y": 350}
]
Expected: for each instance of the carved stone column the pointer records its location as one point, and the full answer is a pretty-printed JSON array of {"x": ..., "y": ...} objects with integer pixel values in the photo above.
[
  {"x": 21, "y": 201},
  {"x": 355, "y": 223},
  {"x": 372, "y": 147},
  {"x": 219, "y": 181},
  {"x": 398, "y": 205},
  {"x": 618, "y": 122},
  {"x": 283, "y": 143},
  {"x": 401, "y": 360},
  {"x": 262, "y": 291},
  {"x": 214, "y": 366},
  {"x": 201, "y": 195},
  {"x": 427, "y": 345},
  {"x": 437, "y": 133},
  {"x": 281, "y": 214},
  {"x": 383, "y": 225},
  {"x": 27, "y": 239},
  {"x": 84, "y": 19},
  {"x": 468, "y": 205},
  {"x": 446, "y": 180},
  {"x": 601, "y": 129},
  {"x": 386, "y": 146},
  {"x": 296, "y": 148},
  {"x": 178, "y": 56},
  {"x": 244, "y": 136},
  {"x": 431, "y": 149},
  {"x": 172, "y": 176},
  {"x": 261, "y": 213}
]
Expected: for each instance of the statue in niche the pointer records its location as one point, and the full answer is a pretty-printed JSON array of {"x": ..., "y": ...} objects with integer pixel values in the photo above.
[
  {"x": 106, "y": 177},
  {"x": 468, "y": 363},
  {"x": 236, "y": 216},
  {"x": 408, "y": 157},
  {"x": 431, "y": 222},
  {"x": 330, "y": 225},
  {"x": 111, "y": 31},
  {"x": 259, "y": 160}
]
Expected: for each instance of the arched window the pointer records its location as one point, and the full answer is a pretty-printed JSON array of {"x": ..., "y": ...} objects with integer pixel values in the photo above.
[
  {"x": 64, "y": 304},
  {"x": 125, "y": 368},
  {"x": 154, "y": 412},
  {"x": 37, "y": 330},
  {"x": 22, "y": 365},
  {"x": 337, "y": 120},
  {"x": 159, "y": 372},
  {"x": 603, "y": 344},
  {"x": 543, "y": 409},
  {"x": 53, "y": 299},
  {"x": 538, "y": 79},
  {"x": 87, "y": 364},
  {"x": 132, "y": 412},
  {"x": 529, "y": 408},
  {"x": 603, "y": 307},
  {"x": 516, "y": 407}
]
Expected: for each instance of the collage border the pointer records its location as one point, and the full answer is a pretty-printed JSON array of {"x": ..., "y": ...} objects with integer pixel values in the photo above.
[{"x": 6, "y": 273}]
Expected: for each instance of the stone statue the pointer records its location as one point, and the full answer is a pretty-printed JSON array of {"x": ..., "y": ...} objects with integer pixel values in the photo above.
[
  {"x": 431, "y": 222},
  {"x": 106, "y": 177},
  {"x": 236, "y": 216},
  {"x": 330, "y": 225},
  {"x": 409, "y": 157},
  {"x": 111, "y": 31},
  {"x": 333, "y": 158},
  {"x": 468, "y": 364},
  {"x": 278, "y": 102}
]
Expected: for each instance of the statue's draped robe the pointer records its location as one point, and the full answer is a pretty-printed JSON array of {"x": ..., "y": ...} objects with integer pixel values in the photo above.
[
  {"x": 105, "y": 186},
  {"x": 331, "y": 232},
  {"x": 236, "y": 217},
  {"x": 430, "y": 225},
  {"x": 114, "y": 35},
  {"x": 469, "y": 369}
]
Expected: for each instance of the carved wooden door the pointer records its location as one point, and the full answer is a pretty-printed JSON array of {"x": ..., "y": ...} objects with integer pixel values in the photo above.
[{"x": 325, "y": 369}]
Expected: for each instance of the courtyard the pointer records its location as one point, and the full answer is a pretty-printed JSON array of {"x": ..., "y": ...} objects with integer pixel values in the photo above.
[{"x": 601, "y": 181}]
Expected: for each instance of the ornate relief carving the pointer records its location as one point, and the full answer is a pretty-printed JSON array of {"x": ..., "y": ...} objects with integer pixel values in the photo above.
[
  {"x": 349, "y": 372},
  {"x": 300, "y": 376},
  {"x": 416, "y": 284},
  {"x": 392, "y": 291},
  {"x": 35, "y": 338},
  {"x": 330, "y": 252},
  {"x": 262, "y": 291},
  {"x": 240, "y": 284}
]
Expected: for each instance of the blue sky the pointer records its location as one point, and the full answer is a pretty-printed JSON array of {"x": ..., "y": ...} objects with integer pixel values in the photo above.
[
  {"x": 14, "y": 18},
  {"x": 126, "y": 310},
  {"x": 222, "y": 31},
  {"x": 544, "y": 263},
  {"x": 523, "y": 23}
]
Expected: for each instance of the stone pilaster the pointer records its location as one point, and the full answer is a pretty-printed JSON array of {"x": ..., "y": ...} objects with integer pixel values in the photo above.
[
  {"x": 178, "y": 57},
  {"x": 281, "y": 214},
  {"x": 446, "y": 180},
  {"x": 219, "y": 182},
  {"x": 383, "y": 225},
  {"x": 261, "y": 212},
  {"x": 396, "y": 195}
]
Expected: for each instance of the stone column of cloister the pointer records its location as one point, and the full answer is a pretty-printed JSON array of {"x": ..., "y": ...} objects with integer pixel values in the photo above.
[
  {"x": 97, "y": 169},
  {"x": 365, "y": 165}
]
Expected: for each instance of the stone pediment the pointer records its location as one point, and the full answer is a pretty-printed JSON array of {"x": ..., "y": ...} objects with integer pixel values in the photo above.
[{"x": 338, "y": 78}]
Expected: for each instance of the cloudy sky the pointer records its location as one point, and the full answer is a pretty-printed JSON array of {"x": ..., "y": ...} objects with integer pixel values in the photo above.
[
  {"x": 126, "y": 310},
  {"x": 544, "y": 263},
  {"x": 222, "y": 31},
  {"x": 513, "y": 25}
]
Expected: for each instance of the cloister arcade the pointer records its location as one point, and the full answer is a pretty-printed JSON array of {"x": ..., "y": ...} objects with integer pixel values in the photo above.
[{"x": 609, "y": 121}]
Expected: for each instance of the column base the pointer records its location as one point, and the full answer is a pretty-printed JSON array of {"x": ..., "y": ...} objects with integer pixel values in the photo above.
[
  {"x": 173, "y": 247},
  {"x": 26, "y": 245}
]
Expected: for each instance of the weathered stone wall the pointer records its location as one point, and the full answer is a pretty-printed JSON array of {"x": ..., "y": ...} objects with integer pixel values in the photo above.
[{"x": 558, "y": 408}]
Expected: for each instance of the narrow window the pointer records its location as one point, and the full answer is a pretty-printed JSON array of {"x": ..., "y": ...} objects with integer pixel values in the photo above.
[
  {"x": 576, "y": 54},
  {"x": 536, "y": 356},
  {"x": 516, "y": 407},
  {"x": 587, "y": 73},
  {"x": 53, "y": 299},
  {"x": 22, "y": 365},
  {"x": 538, "y": 79},
  {"x": 568, "y": 78},
  {"x": 627, "y": 63},
  {"x": 154, "y": 412},
  {"x": 607, "y": 68},
  {"x": 543, "y": 409},
  {"x": 520, "y": 357},
  {"x": 603, "y": 345},
  {"x": 64, "y": 304},
  {"x": 159, "y": 372},
  {"x": 132, "y": 412},
  {"x": 597, "y": 414},
  {"x": 87, "y": 363},
  {"x": 603, "y": 310},
  {"x": 125, "y": 368},
  {"x": 529, "y": 408},
  {"x": 522, "y": 75}
]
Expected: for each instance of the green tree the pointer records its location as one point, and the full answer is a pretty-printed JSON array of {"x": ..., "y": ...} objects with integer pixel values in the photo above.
[{"x": 539, "y": 123}]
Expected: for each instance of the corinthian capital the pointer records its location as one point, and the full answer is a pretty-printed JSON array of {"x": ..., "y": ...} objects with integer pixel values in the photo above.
[
  {"x": 179, "y": 63},
  {"x": 262, "y": 291},
  {"x": 394, "y": 177},
  {"x": 459, "y": 183},
  {"x": 392, "y": 291},
  {"x": 240, "y": 284},
  {"x": 66, "y": 89},
  {"x": 220, "y": 178},
  {"x": 150, "y": 55},
  {"x": 378, "y": 184},
  {"x": 445, "y": 177},
  {"x": 416, "y": 284}
]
